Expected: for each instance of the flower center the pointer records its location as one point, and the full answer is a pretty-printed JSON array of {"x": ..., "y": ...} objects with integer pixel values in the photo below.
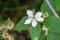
[{"x": 33, "y": 17}]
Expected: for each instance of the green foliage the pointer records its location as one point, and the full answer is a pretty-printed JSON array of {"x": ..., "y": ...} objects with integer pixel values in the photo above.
[
  {"x": 35, "y": 32},
  {"x": 42, "y": 36},
  {"x": 53, "y": 24},
  {"x": 1, "y": 19},
  {"x": 45, "y": 8},
  {"x": 21, "y": 25},
  {"x": 57, "y": 2},
  {"x": 53, "y": 36},
  {"x": 38, "y": 1},
  {"x": 6, "y": 21},
  {"x": 1, "y": 35}
]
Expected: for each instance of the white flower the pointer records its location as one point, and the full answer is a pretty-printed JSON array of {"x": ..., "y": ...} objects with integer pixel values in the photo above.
[{"x": 33, "y": 18}]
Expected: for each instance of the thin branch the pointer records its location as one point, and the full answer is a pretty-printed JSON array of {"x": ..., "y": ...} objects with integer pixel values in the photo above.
[{"x": 52, "y": 8}]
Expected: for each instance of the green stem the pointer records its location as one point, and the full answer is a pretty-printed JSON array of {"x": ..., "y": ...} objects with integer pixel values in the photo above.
[{"x": 52, "y": 9}]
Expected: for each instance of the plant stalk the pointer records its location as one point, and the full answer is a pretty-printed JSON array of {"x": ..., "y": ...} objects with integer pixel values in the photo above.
[{"x": 52, "y": 9}]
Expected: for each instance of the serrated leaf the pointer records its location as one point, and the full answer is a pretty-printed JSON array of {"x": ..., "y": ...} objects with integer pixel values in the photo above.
[
  {"x": 45, "y": 8},
  {"x": 35, "y": 32},
  {"x": 52, "y": 23},
  {"x": 53, "y": 36},
  {"x": 21, "y": 25}
]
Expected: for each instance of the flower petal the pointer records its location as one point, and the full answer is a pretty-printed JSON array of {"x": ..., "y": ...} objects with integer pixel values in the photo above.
[
  {"x": 28, "y": 21},
  {"x": 40, "y": 19},
  {"x": 30, "y": 13},
  {"x": 34, "y": 23},
  {"x": 38, "y": 14}
]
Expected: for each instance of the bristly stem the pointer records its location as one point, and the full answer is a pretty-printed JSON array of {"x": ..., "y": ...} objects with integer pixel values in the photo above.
[{"x": 52, "y": 9}]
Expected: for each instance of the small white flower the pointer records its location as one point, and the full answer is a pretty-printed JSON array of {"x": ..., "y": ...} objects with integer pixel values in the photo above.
[{"x": 33, "y": 18}]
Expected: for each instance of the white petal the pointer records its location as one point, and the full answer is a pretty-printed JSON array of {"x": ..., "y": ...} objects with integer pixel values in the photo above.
[
  {"x": 38, "y": 14},
  {"x": 40, "y": 19},
  {"x": 28, "y": 21},
  {"x": 30, "y": 13},
  {"x": 34, "y": 23}
]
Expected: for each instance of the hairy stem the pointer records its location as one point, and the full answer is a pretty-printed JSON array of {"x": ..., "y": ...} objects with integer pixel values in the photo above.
[{"x": 52, "y": 9}]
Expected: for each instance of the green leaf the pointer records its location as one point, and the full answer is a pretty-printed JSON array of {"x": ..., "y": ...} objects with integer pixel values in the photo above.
[
  {"x": 53, "y": 36},
  {"x": 57, "y": 2},
  {"x": 58, "y": 12},
  {"x": 21, "y": 25},
  {"x": 45, "y": 8},
  {"x": 1, "y": 35},
  {"x": 35, "y": 32},
  {"x": 38, "y": 1},
  {"x": 42, "y": 36},
  {"x": 52, "y": 23},
  {"x": 1, "y": 19},
  {"x": 6, "y": 21}
]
